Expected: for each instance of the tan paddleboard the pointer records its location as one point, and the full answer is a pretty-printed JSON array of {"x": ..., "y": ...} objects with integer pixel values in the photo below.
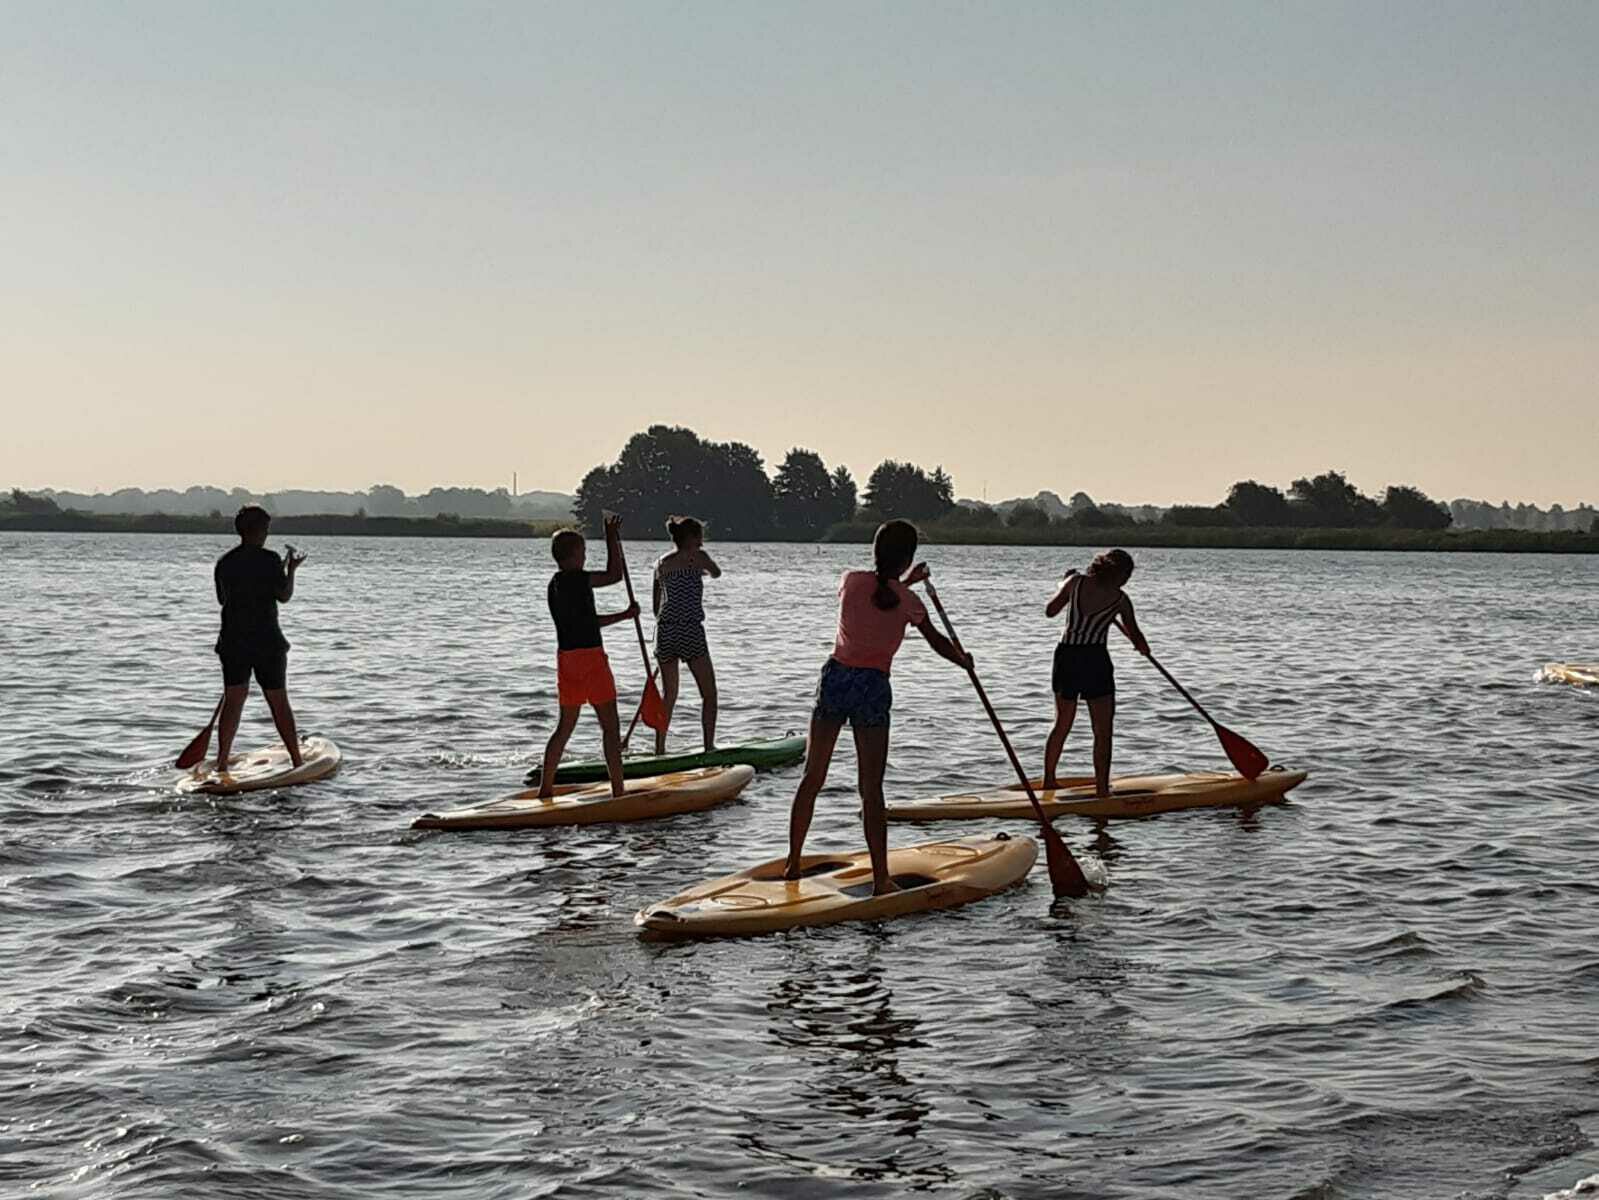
[
  {"x": 263, "y": 769},
  {"x": 1131, "y": 796},
  {"x": 1576, "y": 674},
  {"x": 838, "y": 887},
  {"x": 592, "y": 803}
]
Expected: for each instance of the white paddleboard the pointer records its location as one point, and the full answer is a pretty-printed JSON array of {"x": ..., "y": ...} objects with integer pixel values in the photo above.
[{"x": 266, "y": 768}]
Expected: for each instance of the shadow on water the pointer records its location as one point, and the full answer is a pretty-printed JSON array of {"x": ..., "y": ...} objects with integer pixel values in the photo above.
[{"x": 854, "y": 1112}]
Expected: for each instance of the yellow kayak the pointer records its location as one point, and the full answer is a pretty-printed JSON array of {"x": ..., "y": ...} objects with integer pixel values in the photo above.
[
  {"x": 592, "y": 803},
  {"x": 838, "y": 887},
  {"x": 263, "y": 769},
  {"x": 1131, "y": 796},
  {"x": 1576, "y": 674}
]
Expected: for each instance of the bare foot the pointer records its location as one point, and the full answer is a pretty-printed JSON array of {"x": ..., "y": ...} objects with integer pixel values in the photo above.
[
  {"x": 791, "y": 870},
  {"x": 546, "y": 795},
  {"x": 1051, "y": 785},
  {"x": 885, "y": 887}
]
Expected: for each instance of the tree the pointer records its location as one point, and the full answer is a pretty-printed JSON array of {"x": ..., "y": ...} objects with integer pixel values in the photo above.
[
  {"x": 1330, "y": 501},
  {"x": 1027, "y": 515},
  {"x": 1406, "y": 507},
  {"x": 844, "y": 496},
  {"x": 898, "y": 489},
  {"x": 24, "y": 503},
  {"x": 802, "y": 495},
  {"x": 386, "y": 500},
  {"x": 668, "y": 469},
  {"x": 1256, "y": 504},
  {"x": 1198, "y": 516}
]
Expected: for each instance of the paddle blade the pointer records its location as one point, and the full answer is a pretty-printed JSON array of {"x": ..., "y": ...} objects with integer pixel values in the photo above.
[
  {"x": 1245, "y": 755},
  {"x": 653, "y": 710},
  {"x": 1065, "y": 876},
  {"x": 194, "y": 752}
]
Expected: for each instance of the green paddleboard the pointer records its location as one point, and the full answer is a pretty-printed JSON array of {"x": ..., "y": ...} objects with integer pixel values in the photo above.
[{"x": 766, "y": 755}]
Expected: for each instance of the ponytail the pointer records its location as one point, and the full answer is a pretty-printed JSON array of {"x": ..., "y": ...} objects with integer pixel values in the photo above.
[{"x": 893, "y": 548}]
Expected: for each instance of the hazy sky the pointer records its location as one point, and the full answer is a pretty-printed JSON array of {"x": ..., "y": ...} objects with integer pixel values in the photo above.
[{"x": 1141, "y": 250}]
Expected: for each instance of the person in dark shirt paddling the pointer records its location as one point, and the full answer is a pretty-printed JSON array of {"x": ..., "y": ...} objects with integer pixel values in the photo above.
[
  {"x": 583, "y": 673},
  {"x": 251, "y": 582}
]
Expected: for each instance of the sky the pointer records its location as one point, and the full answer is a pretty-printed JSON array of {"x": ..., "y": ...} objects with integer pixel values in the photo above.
[{"x": 1141, "y": 250}]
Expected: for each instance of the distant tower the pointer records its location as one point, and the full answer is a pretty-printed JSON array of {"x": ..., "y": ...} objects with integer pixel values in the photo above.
[{"x": 513, "y": 483}]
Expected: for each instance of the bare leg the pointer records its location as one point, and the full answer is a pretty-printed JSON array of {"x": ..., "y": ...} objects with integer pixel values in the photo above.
[
  {"x": 1102, "y": 713},
  {"x": 705, "y": 677},
  {"x": 669, "y": 685},
  {"x": 1065, "y": 714},
  {"x": 611, "y": 738},
  {"x": 818, "y": 756},
  {"x": 283, "y": 717},
  {"x": 554, "y": 748},
  {"x": 871, "y": 759},
  {"x": 228, "y": 723}
]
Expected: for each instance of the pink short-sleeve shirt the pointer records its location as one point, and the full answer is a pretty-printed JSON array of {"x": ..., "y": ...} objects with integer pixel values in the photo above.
[{"x": 869, "y": 636}]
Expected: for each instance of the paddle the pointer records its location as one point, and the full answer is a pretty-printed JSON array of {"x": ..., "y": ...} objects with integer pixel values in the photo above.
[
  {"x": 1243, "y": 753},
  {"x": 1065, "y": 875},
  {"x": 195, "y": 750},
  {"x": 653, "y": 708}
]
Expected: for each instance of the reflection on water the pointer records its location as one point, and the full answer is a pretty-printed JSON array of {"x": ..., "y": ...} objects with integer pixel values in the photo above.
[{"x": 854, "y": 1112}]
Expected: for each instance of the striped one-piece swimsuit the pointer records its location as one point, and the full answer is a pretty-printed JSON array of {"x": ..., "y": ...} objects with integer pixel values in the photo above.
[
  {"x": 680, "y": 625},
  {"x": 1082, "y": 667}
]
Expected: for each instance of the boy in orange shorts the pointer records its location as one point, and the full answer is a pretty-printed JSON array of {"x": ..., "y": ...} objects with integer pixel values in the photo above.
[{"x": 583, "y": 673}]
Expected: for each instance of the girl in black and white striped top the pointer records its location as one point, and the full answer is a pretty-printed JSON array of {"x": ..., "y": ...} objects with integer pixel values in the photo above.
[
  {"x": 680, "y": 623},
  {"x": 1093, "y": 602}
]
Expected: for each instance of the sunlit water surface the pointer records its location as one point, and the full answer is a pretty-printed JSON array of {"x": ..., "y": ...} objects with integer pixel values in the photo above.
[{"x": 1388, "y": 987}]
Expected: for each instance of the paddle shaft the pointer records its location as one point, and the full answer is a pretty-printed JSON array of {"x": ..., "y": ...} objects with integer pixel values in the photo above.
[
  {"x": 1078, "y": 883},
  {"x": 638, "y": 620},
  {"x": 1198, "y": 707}
]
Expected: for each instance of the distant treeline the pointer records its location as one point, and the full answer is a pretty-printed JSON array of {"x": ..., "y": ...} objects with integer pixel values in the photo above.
[
  {"x": 379, "y": 500},
  {"x": 445, "y": 525}
]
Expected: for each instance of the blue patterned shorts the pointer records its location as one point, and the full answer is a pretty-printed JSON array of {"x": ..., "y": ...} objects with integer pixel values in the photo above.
[{"x": 860, "y": 695}]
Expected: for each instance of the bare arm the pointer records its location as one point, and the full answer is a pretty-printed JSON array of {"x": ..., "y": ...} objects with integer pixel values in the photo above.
[
  {"x": 627, "y": 614},
  {"x": 708, "y": 565},
  {"x": 655, "y": 595},
  {"x": 1130, "y": 627},
  {"x": 291, "y": 564},
  {"x": 942, "y": 646},
  {"x": 1058, "y": 601},
  {"x": 613, "y": 555},
  {"x": 216, "y": 581}
]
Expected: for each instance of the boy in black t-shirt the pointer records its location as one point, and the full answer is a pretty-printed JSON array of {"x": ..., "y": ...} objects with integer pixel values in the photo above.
[
  {"x": 583, "y": 673},
  {"x": 251, "y": 582}
]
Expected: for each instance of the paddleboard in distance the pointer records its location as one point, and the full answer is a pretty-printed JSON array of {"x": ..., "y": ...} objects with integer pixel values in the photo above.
[
  {"x": 267, "y": 768},
  {"x": 592, "y": 803},
  {"x": 1576, "y": 674},
  {"x": 765, "y": 754},
  {"x": 838, "y": 887},
  {"x": 1131, "y": 796}
]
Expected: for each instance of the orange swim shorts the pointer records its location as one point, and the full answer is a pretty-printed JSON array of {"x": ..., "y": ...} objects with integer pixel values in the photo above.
[{"x": 584, "y": 677}]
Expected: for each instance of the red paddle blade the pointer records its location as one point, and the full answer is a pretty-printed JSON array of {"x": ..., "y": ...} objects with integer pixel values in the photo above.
[
  {"x": 194, "y": 752},
  {"x": 653, "y": 710},
  {"x": 1245, "y": 755},
  {"x": 1065, "y": 876}
]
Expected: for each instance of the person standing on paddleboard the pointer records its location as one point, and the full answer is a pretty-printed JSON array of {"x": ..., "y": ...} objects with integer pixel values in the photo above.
[
  {"x": 1082, "y": 668},
  {"x": 874, "y": 609},
  {"x": 678, "y": 598},
  {"x": 583, "y": 673},
  {"x": 251, "y": 581}
]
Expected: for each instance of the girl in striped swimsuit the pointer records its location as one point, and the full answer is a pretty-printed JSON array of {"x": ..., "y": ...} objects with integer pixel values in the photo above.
[
  {"x": 1082, "y": 668},
  {"x": 679, "y": 596}
]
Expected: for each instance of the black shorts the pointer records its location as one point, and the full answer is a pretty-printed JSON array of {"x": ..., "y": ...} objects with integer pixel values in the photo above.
[
  {"x": 1083, "y": 671},
  {"x": 270, "y": 667}
]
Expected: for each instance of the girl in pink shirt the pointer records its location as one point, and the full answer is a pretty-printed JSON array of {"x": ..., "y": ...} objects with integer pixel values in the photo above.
[{"x": 874, "y": 609}]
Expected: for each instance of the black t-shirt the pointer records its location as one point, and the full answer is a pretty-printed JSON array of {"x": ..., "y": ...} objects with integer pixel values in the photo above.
[
  {"x": 247, "y": 579},
  {"x": 572, "y": 608}
]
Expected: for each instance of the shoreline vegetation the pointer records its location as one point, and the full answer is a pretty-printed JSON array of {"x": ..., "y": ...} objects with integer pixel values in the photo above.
[{"x": 935, "y": 532}]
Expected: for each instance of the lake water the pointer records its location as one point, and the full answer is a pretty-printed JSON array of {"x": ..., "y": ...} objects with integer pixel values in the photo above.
[{"x": 1388, "y": 987}]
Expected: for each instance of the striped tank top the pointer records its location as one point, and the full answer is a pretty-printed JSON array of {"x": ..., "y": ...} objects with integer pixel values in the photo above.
[
  {"x": 682, "y": 597},
  {"x": 1085, "y": 628}
]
